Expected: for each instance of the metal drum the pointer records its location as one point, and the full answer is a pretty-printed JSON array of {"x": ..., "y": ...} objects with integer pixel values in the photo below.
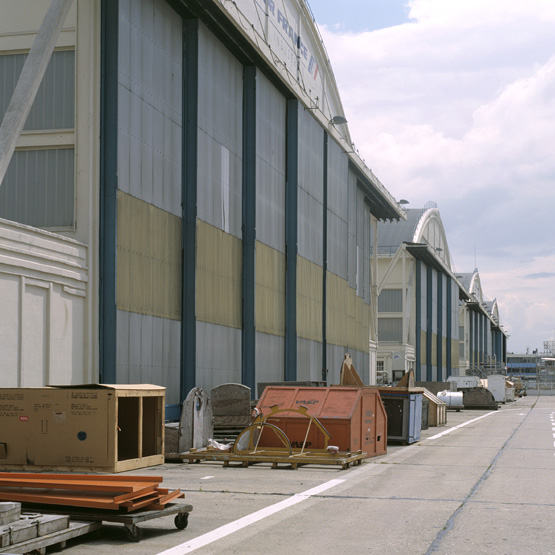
[{"x": 453, "y": 399}]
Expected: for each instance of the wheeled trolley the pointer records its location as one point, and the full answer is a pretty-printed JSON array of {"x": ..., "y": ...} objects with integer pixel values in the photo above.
[{"x": 130, "y": 520}]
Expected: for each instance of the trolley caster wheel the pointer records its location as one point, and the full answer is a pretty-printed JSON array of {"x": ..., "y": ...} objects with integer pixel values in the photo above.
[
  {"x": 181, "y": 520},
  {"x": 133, "y": 533}
]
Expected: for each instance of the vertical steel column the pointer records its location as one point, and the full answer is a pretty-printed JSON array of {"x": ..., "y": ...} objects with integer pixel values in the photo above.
[
  {"x": 291, "y": 245},
  {"x": 449, "y": 332},
  {"x": 325, "y": 263},
  {"x": 471, "y": 337},
  {"x": 418, "y": 332},
  {"x": 480, "y": 337},
  {"x": 108, "y": 190},
  {"x": 248, "y": 336},
  {"x": 189, "y": 206},
  {"x": 439, "y": 345},
  {"x": 429, "y": 322}
]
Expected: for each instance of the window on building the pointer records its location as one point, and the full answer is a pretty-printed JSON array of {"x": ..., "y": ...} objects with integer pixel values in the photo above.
[
  {"x": 39, "y": 186},
  {"x": 390, "y": 329},
  {"x": 390, "y": 300}
]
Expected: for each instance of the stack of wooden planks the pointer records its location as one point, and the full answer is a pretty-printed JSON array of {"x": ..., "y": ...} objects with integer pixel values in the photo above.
[{"x": 117, "y": 493}]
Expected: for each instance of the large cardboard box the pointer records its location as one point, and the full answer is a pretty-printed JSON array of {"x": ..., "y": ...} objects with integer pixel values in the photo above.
[{"x": 100, "y": 428}]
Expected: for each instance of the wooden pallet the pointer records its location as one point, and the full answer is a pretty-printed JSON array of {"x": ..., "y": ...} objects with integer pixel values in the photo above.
[
  {"x": 275, "y": 456},
  {"x": 60, "y": 537},
  {"x": 118, "y": 493}
]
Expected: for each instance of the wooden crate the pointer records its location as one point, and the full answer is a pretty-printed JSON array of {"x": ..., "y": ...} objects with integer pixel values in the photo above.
[{"x": 103, "y": 428}]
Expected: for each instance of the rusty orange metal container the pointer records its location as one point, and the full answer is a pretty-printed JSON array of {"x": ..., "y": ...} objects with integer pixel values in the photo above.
[{"x": 354, "y": 417}]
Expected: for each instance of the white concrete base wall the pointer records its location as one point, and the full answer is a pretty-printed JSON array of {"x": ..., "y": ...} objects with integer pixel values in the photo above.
[{"x": 43, "y": 308}]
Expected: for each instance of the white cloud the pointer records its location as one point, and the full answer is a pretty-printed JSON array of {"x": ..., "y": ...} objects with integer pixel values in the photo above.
[{"x": 458, "y": 107}]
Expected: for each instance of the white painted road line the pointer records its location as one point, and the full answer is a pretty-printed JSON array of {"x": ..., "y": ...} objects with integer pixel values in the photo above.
[
  {"x": 460, "y": 426},
  {"x": 232, "y": 527}
]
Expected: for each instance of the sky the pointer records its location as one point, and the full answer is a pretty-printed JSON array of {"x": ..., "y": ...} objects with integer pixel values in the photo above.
[{"x": 454, "y": 102}]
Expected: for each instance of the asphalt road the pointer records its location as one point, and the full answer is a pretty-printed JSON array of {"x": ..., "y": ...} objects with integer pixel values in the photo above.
[{"x": 482, "y": 484}]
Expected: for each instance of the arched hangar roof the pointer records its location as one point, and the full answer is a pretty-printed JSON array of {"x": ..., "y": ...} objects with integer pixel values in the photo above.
[{"x": 422, "y": 226}]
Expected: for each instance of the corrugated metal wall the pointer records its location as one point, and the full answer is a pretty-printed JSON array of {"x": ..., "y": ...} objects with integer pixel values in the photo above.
[
  {"x": 219, "y": 248},
  {"x": 150, "y": 103},
  {"x": 270, "y": 230},
  {"x": 149, "y": 200},
  {"x": 38, "y": 188},
  {"x": 310, "y": 195},
  {"x": 54, "y": 105}
]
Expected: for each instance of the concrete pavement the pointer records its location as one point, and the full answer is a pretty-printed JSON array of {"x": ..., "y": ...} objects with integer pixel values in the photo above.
[{"x": 482, "y": 484}]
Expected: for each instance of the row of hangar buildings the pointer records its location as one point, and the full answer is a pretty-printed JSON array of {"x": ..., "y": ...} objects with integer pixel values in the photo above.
[{"x": 184, "y": 207}]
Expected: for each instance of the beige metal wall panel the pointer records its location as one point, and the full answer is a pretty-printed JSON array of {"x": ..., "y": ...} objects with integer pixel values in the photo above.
[
  {"x": 423, "y": 359},
  {"x": 348, "y": 316},
  {"x": 433, "y": 354},
  {"x": 270, "y": 290},
  {"x": 309, "y": 299},
  {"x": 148, "y": 259},
  {"x": 219, "y": 275},
  {"x": 454, "y": 355},
  {"x": 362, "y": 335},
  {"x": 336, "y": 315}
]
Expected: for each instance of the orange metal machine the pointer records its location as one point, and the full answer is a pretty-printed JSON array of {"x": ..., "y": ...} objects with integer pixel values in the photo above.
[{"x": 354, "y": 417}]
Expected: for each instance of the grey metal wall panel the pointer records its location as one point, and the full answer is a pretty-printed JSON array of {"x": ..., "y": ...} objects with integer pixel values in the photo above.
[
  {"x": 220, "y": 120},
  {"x": 270, "y": 164},
  {"x": 218, "y": 355},
  {"x": 390, "y": 329},
  {"x": 335, "y": 355},
  {"x": 351, "y": 230},
  {"x": 363, "y": 247},
  {"x": 338, "y": 194},
  {"x": 390, "y": 300},
  {"x": 310, "y": 191},
  {"x": 148, "y": 351},
  {"x": 54, "y": 104},
  {"x": 435, "y": 301},
  {"x": 423, "y": 296},
  {"x": 38, "y": 188},
  {"x": 361, "y": 362},
  {"x": 270, "y": 357},
  {"x": 337, "y": 239},
  {"x": 309, "y": 360},
  {"x": 150, "y": 103}
]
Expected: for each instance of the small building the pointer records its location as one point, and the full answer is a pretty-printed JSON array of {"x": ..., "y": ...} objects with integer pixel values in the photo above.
[
  {"x": 431, "y": 318},
  {"x": 483, "y": 342}
]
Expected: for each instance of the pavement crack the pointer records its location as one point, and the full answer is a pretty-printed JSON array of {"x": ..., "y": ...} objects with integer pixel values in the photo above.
[{"x": 434, "y": 546}]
